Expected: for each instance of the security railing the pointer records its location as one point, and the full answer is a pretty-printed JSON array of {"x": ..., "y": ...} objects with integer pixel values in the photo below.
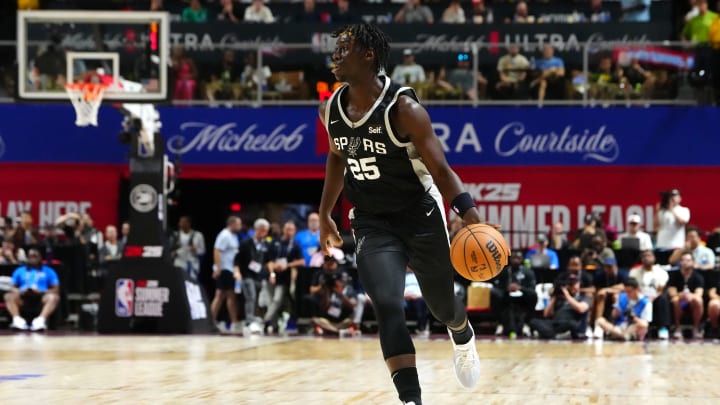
[{"x": 596, "y": 74}]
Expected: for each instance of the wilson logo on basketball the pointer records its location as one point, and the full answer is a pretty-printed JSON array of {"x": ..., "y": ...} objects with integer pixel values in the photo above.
[{"x": 495, "y": 252}]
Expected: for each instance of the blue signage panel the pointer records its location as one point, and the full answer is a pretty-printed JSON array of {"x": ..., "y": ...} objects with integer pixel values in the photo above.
[{"x": 570, "y": 136}]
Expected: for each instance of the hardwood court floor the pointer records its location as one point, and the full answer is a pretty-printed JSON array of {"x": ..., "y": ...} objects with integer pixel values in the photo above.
[{"x": 89, "y": 369}]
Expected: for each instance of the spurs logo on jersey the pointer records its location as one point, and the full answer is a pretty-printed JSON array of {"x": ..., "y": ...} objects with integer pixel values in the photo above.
[
  {"x": 353, "y": 146},
  {"x": 384, "y": 172}
]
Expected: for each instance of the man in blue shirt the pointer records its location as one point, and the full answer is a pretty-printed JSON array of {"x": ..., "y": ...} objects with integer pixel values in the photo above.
[
  {"x": 309, "y": 239},
  {"x": 551, "y": 71},
  {"x": 536, "y": 258},
  {"x": 635, "y": 10},
  {"x": 33, "y": 283},
  {"x": 632, "y": 314}
]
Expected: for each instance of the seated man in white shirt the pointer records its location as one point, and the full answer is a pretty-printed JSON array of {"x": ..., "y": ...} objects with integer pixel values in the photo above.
[
  {"x": 408, "y": 72},
  {"x": 633, "y": 231},
  {"x": 258, "y": 12},
  {"x": 704, "y": 256},
  {"x": 653, "y": 279}
]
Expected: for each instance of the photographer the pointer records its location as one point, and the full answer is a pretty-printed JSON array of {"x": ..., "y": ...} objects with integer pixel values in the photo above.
[
  {"x": 566, "y": 312},
  {"x": 670, "y": 220},
  {"x": 333, "y": 308},
  {"x": 631, "y": 315}
]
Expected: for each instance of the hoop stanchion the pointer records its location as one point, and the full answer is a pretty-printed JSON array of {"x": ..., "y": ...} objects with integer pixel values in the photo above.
[{"x": 86, "y": 98}]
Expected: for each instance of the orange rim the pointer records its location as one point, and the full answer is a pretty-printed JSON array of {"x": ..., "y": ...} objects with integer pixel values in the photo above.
[{"x": 91, "y": 91}]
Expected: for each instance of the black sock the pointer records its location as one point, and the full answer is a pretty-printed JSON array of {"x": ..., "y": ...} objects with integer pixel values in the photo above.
[
  {"x": 407, "y": 384},
  {"x": 460, "y": 337}
]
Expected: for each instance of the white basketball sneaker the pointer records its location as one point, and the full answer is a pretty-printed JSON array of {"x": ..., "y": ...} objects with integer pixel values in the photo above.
[
  {"x": 38, "y": 324},
  {"x": 19, "y": 323},
  {"x": 467, "y": 362}
]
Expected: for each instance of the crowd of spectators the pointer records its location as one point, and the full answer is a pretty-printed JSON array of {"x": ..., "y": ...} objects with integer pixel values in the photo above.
[{"x": 526, "y": 75}]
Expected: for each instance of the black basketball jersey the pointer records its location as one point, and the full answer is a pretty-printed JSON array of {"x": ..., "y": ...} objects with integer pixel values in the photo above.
[{"x": 383, "y": 174}]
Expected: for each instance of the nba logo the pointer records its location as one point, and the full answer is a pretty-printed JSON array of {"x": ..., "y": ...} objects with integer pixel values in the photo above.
[{"x": 124, "y": 295}]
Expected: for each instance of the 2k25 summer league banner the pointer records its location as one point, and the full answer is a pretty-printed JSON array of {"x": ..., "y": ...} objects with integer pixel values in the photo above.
[{"x": 572, "y": 158}]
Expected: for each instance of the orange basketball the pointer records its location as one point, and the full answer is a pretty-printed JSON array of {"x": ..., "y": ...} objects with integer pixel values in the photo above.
[{"x": 479, "y": 252}]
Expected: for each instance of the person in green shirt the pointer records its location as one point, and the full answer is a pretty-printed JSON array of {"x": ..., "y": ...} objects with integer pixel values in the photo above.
[
  {"x": 195, "y": 12},
  {"x": 698, "y": 27}
]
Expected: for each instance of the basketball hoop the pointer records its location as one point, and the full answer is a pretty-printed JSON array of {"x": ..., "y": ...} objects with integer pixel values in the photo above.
[{"x": 86, "y": 98}]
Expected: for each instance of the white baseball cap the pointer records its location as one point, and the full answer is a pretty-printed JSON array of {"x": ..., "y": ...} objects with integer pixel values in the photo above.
[{"x": 634, "y": 219}]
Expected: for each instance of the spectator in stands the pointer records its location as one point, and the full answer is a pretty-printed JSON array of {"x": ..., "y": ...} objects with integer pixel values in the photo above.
[
  {"x": 33, "y": 284},
  {"x": 633, "y": 232},
  {"x": 333, "y": 308},
  {"x": 566, "y": 312},
  {"x": 670, "y": 220},
  {"x": 713, "y": 331},
  {"x": 551, "y": 79},
  {"x": 415, "y": 301},
  {"x": 226, "y": 274},
  {"x": 224, "y": 84},
  {"x": 309, "y": 239},
  {"x": 635, "y": 10},
  {"x": 608, "y": 282},
  {"x": 631, "y": 314},
  {"x": 558, "y": 237},
  {"x": 409, "y": 72},
  {"x": 124, "y": 232},
  {"x": 309, "y": 13},
  {"x": 598, "y": 13},
  {"x": 253, "y": 260},
  {"x": 639, "y": 81},
  {"x": 597, "y": 254},
  {"x": 512, "y": 69},
  {"x": 185, "y": 74},
  {"x": 513, "y": 295},
  {"x": 685, "y": 289},
  {"x": 703, "y": 257},
  {"x": 575, "y": 266},
  {"x": 188, "y": 248},
  {"x": 11, "y": 253},
  {"x": 481, "y": 14},
  {"x": 454, "y": 13},
  {"x": 156, "y": 5},
  {"x": 542, "y": 256},
  {"x": 343, "y": 14},
  {"x": 285, "y": 256},
  {"x": 697, "y": 28},
  {"x": 414, "y": 12},
  {"x": 252, "y": 77},
  {"x": 584, "y": 236},
  {"x": 606, "y": 80},
  {"x": 25, "y": 233},
  {"x": 88, "y": 233},
  {"x": 258, "y": 12},
  {"x": 195, "y": 12},
  {"x": 521, "y": 15},
  {"x": 228, "y": 12},
  {"x": 462, "y": 79},
  {"x": 111, "y": 249},
  {"x": 653, "y": 279}
]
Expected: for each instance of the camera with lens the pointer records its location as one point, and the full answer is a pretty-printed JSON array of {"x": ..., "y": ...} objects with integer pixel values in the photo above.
[
  {"x": 629, "y": 314},
  {"x": 665, "y": 197},
  {"x": 558, "y": 286},
  {"x": 330, "y": 280}
]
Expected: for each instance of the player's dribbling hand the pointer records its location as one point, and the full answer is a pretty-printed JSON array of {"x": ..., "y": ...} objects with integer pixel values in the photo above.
[
  {"x": 329, "y": 235},
  {"x": 472, "y": 216}
]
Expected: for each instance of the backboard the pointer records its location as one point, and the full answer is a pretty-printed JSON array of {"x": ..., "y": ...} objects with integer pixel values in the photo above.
[{"x": 56, "y": 47}]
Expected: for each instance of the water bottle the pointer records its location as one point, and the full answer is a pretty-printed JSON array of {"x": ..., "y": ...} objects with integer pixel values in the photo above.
[{"x": 238, "y": 286}]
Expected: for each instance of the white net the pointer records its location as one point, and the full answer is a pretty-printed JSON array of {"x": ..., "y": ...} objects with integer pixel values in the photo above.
[{"x": 86, "y": 98}]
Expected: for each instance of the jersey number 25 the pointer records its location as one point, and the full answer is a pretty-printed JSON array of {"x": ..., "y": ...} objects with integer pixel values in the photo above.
[{"x": 364, "y": 169}]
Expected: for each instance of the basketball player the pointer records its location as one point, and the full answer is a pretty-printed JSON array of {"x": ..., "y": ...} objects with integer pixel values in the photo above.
[{"x": 394, "y": 171}]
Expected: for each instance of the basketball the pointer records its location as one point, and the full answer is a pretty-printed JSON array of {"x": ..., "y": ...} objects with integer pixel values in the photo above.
[{"x": 479, "y": 252}]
